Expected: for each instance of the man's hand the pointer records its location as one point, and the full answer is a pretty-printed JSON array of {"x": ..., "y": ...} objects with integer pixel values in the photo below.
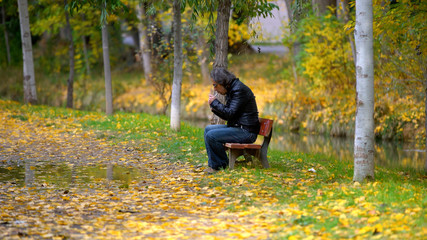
[{"x": 211, "y": 98}]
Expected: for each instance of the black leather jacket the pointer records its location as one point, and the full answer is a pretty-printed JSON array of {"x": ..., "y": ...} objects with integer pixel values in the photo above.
[{"x": 240, "y": 109}]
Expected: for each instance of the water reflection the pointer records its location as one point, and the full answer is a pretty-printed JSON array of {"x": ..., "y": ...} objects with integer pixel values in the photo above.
[
  {"x": 388, "y": 154},
  {"x": 29, "y": 173},
  {"x": 34, "y": 174}
]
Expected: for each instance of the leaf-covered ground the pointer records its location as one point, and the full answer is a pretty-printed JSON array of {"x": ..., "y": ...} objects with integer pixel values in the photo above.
[{"x": 61, "y": 179}]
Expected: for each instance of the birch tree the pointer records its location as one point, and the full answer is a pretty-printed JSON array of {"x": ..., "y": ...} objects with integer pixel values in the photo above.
[
  {"x": 30, "y": 93},
  {"x": 107, "y": 68},
  {"x": 364, "y": 130},
  {"x": 106, "y": 7},
  {"x": 70, "y": 81},
  {"x": 175, "y": 120}
]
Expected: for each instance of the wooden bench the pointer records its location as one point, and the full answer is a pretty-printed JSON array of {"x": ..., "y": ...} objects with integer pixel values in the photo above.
[{"x": 259, "y": 151}]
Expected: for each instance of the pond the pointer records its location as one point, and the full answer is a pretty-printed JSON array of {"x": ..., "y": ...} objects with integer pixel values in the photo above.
[{"x": 388, "y": 154}]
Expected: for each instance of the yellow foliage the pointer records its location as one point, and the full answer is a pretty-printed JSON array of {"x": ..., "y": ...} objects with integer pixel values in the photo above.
[{"x": 237, "y": 33}]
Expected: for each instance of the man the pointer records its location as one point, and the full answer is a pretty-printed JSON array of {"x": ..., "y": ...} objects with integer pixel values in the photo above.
[{"x": 240, "y": 112}]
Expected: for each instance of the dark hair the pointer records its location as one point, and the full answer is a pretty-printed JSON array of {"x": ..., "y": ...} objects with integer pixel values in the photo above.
[{"x": 222, "y": 76}]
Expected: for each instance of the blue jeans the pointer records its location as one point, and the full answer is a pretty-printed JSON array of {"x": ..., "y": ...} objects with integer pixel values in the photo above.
[{"x": 217, "y": 135}]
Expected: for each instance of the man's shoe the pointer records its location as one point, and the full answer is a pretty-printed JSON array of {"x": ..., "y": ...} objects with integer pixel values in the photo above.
[{"x": 210, "y": 170}]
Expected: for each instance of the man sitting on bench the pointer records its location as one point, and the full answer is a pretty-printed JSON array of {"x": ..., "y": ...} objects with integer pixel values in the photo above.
[{"x": 240, "y": 112}]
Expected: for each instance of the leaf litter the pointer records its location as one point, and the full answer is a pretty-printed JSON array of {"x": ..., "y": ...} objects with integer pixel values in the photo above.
[
  {"x": 163, "y": 201},
  {"x": 60, "y": 181}
]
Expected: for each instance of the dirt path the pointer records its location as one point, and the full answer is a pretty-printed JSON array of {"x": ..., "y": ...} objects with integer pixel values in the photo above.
[{"x": 60, "y": 182}]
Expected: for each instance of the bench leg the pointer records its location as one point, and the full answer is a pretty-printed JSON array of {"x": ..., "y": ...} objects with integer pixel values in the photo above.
[
  {"x": 233, "y": 154},
  {"x": 263, "y": 158}
]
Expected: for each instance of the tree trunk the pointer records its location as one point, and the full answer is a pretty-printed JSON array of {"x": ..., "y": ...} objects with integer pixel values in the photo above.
[
  {"x": 288, "y": 4},
  {"x": 30, "y": 93},
  {"x": 221, "y": 34},
  {"x": 177, "y": 68},
  {"x": 221, "y": 45},
  {"x": 320, "y": 7},
  {"x": 144, "y": 42},
  {"x": 203, "y": 57},
  {"x": 6, "y": 35},
  {"x": 107, "y": 70},
  {"x": 86, "y": 55},
  {"x": 85, "y": 51},
  {"x": 70, "y": 81},
  {"x": 295, "y": 48},
  {"x": 364, "y": 130}
]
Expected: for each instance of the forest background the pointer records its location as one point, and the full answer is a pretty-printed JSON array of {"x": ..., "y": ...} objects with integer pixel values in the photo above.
[{"x": 310, "y": 90}]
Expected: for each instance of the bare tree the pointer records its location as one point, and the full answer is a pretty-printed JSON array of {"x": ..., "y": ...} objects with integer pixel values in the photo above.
[
  {"x": 364, "y": 130},
  {"x": 30, "y": 93}
]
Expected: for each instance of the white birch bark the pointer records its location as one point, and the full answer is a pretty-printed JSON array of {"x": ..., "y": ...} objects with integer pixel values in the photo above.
[
  {"x": 143, "y": 42},
  {"x": 30, "y": 93},
  {"x": 70, "y": 81},
  {"x": 364, "y": 129},
  {"x": 107, "y": 70},
  {"x": 177, "y": 69}
]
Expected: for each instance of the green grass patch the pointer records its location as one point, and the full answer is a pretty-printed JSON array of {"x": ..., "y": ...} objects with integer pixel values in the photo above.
[{"x": 310, "y": 192}]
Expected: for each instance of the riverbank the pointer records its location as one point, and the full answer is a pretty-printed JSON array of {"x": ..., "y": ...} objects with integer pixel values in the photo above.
[
  {"x": 296, "y": 105},
  {"x": 300, "y": 196}
]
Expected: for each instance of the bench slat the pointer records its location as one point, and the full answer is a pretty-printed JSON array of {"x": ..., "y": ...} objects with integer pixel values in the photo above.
[{"x": 243, "y": 145}]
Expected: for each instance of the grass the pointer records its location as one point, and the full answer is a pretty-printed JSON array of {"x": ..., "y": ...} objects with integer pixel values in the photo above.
[{"x": 288, "y": 194}]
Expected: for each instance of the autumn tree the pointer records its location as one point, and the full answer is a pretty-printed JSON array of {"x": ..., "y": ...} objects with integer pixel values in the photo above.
[
  {"x": 364, "y": 150},
  {"x": 224, "y": 8},
  {"x": 30, "y": 93},
  {"x": 401, "y": 52},
  {"x": 106, "y": 7}
]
